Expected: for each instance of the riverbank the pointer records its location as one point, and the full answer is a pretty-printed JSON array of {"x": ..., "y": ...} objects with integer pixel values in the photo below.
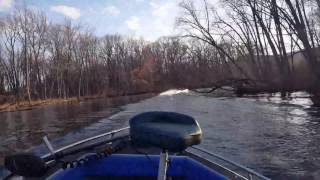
[{"x": 26, "y": 105}]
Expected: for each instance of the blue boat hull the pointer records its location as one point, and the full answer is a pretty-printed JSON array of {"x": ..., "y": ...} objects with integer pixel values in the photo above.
[{"x": 128, "y": 165}]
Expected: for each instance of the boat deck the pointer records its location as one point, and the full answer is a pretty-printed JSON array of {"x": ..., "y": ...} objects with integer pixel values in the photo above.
[{"x": 121, "y": 144}]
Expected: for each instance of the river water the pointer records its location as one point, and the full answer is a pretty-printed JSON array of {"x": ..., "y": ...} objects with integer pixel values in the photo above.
[{"x": 277, "y": 137}]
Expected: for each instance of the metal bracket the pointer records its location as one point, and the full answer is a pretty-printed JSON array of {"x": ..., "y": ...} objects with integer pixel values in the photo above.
[
  {"x": 48, "y": 144},
  {"x": 163, "y": 165}
]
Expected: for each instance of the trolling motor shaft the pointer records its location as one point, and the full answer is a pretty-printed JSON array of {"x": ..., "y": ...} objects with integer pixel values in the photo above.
[{"x": 163, "y": 165}]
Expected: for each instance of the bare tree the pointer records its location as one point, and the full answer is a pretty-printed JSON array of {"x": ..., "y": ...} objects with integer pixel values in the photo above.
[{"x": 201, "y": 28}]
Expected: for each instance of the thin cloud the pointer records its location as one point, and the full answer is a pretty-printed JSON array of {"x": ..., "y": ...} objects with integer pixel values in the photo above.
[
  {"x": 112, "y": 10},
  {"x": 68, "y": 11},
  {"x": 163, "y": 9},
  {"x": 133, "y": 23},
  {"x": 156, "y": 22},
  {"x": 162, "y": 16},
  {"x": 150, "y": 19},
  {"x": 5, "y": 4}
]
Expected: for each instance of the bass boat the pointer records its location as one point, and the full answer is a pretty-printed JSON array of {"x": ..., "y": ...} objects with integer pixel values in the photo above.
[{"x": 156, "y": 145}]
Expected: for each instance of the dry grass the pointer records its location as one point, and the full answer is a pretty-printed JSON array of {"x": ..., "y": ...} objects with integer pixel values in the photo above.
[{"x": 25, "y": 105}]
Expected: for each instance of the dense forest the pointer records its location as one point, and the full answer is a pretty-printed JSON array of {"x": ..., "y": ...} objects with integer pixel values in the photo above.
[{"x": 253, "y": 45}]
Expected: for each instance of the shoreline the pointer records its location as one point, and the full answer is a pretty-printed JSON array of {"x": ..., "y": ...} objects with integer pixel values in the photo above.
[{"x": 25, "y": 105}]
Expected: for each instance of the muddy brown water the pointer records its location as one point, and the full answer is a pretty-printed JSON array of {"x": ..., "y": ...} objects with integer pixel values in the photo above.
[{"x": 277, "y": 137}]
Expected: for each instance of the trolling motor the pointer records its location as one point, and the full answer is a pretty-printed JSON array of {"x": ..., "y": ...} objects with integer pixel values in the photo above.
[
  {"x": 172, "y": 132},
  {"x": 26, "y": 164},
  {"x": 30, "y": 165}
]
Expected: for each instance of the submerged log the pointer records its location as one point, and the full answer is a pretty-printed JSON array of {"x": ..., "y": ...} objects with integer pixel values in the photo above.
[
  {"x": 315, "y": 98},
  {"x": 237, "y": 86},
  {"x": 241, "y": 87}
]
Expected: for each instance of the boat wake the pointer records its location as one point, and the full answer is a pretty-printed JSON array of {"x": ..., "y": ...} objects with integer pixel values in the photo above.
[{"x": 172, "y": 92}]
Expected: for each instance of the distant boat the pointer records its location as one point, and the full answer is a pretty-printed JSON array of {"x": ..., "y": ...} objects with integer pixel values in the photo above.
[{"x": 157, "y": 145}]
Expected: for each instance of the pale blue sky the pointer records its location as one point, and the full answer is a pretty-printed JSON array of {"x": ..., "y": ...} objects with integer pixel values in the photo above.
[{"x": 149, "y": 19}]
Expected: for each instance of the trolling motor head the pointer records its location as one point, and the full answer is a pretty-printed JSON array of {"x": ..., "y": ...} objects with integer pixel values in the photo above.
[
  {"x": 169, "y": 131},
  {"x": 26, "y": 165}
]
